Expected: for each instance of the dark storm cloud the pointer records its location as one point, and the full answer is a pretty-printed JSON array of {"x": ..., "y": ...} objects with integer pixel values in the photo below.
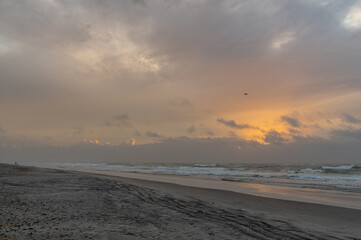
[
  {"x": 233, "y": 124},
  {"x": 152, "y": 134},
  {"x": 351, "y": 119},
  {"x": 294, "y": 122}
]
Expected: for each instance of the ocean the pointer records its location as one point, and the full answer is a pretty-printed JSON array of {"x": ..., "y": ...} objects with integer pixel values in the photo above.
[{"x": 346, "y": 178}]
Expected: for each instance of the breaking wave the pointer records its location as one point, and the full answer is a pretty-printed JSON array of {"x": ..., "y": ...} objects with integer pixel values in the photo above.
[{"x": 342, "y": 176}]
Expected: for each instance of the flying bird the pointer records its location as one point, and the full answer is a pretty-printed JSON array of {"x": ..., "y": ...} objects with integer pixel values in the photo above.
[{"x": 245, "y": 94}]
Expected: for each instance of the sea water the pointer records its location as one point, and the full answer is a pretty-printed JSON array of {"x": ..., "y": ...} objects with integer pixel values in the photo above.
[{"x": 346, "y": 177}]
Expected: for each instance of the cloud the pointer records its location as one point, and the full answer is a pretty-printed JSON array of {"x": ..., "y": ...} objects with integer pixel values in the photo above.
[
  {"x": 209, "y": 133},
  {"x": 152, "y": 134},
  {"x": 232, "y": 134},
  {"x": 294, "y": 122},
  {"x": 2, "y": 130},
  {"x": 195, "y": 150},
  {"x": 274, "y": 137},
  {"x": 137, "y": 133},
  {"x": 294, "y": 131},
  {"x": 233, "y": 124},
  {"x": 92, "y": 58},
  {"x": 180, "y": 101},
  {"x": 352, "y": 133},
  {"x": 350, "y": 119},
  {"x": 6, "y": 46},
  {"x": 282, "y": 40},
  {"x": 78, "y": 130},
  {"x": 353, "y": 18},
  {"x": 191, "y": 129},
  {"x": 108, "y": 123},
  {"x": 123, "y": 119}
]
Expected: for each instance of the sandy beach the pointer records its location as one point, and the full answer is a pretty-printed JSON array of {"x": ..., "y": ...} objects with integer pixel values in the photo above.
[{"x": 39, "y": 203}]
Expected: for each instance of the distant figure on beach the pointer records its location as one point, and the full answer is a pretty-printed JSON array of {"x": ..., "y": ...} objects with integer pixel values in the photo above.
[{"x": 16, "y": 163}]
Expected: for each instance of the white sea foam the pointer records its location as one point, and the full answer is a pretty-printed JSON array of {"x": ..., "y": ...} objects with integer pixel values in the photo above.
[
  {"x": 310, "y": 170},
  {"x": 205, "y": 165},
  {"x": 341, "y": 167}
]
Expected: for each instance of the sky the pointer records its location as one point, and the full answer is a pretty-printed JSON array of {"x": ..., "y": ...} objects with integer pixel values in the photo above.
[{"x": 270, "y": 81}]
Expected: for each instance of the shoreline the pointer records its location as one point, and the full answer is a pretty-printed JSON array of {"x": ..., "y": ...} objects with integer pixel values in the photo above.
[
  {"x": 304, "y": 213},
  {"x": 97, "y": 203},
  {"x": 307, "y": 195}
]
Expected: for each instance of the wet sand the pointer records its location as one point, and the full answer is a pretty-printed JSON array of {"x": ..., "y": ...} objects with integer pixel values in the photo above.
[
  {"x": 311, "y": 195},
  {"x": 39, "y": 203}
]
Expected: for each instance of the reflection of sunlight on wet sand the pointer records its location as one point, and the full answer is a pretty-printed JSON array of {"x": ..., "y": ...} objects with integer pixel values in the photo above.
[{"x": 327, "y": 197}]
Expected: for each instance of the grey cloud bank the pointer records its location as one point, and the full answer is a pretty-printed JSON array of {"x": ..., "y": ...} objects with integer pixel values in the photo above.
[{"x": 201, "y": 150}]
